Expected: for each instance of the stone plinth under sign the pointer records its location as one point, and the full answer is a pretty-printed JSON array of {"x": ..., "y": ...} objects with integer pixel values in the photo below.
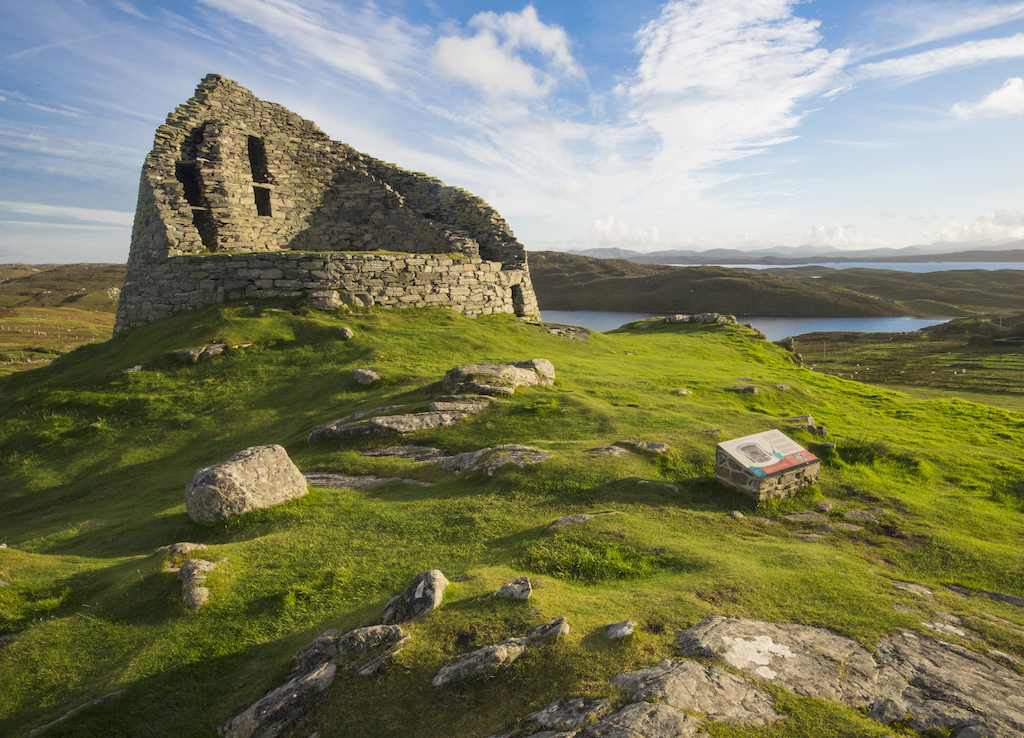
[{"x": 765, "y": 465}]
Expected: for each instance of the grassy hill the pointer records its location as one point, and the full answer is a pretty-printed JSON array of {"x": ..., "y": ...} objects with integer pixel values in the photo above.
[
  {"x": 573, "y": 282},
  {"x": 93, "y": 464},
  {"x": 954, "y": 292},
  {"x": 47, "y": 310}
]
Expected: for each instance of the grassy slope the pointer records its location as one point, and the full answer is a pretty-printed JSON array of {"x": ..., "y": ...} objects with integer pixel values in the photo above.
[
  {"x": 93, "y": 464},
  {"x": 955, "y": 359}
]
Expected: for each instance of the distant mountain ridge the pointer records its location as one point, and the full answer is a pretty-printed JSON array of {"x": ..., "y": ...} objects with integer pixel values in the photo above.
[{"x": 1012, "y": 250}]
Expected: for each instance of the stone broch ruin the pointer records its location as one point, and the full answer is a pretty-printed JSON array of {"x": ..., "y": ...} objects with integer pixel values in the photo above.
[{"x": 241, "y": 198}]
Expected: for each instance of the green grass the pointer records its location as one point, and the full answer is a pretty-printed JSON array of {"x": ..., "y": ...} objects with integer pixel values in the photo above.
[{"x": 93, "y": 464}]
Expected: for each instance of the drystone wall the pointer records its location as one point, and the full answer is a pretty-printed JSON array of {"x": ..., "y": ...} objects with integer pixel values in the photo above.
[{"x": 241, "y": 198}]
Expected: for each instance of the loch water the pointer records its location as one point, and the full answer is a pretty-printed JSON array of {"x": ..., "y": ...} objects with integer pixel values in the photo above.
[{"x": 774, "y": 328}]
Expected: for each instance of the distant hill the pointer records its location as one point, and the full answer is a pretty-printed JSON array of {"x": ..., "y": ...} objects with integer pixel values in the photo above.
[
  {"x": 573, "y": 282},
  {"x": 1009, "y": 251},
  {"x": 83, "y": 286}
]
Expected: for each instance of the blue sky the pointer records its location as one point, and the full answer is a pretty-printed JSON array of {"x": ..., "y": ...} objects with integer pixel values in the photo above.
[{"x": 693, "y": 124}]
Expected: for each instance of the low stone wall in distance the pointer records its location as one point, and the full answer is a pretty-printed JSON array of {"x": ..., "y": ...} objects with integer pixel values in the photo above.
[{"x": 469, "y": 285}]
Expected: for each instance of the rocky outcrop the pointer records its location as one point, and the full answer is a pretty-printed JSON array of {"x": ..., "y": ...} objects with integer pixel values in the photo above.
[
  {"x": 803, "y": 659},
  {"x": 498, "y": 379},
  {"x": 335, "y": 480},
  {"x": 275, "y": 713},
  {"x": 931, "y": 683},
  {"x": 950, "y": 686},
  {"x": 517, "y": 589},
  {"x": 421, "y": 597},
  {"x": 488, "y": 460},
  {"x": 254, "y": 478},
  {"x": 490, "y": 660},
  {"x": 192, "y": 575},
  {"x": 687, "y": 685},
  {"x": 337, "y": 429},
  {"x": 643, "y": 720}
]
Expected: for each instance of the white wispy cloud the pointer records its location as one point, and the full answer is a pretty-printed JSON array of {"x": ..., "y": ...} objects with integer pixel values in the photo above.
[
  {"x": 1007, "y": 100},
  {"x": 611, "y": 231},
  {"x": 916, "y": 23},
  {"x": 110, "y": 217},
  {"x": 57, "y": 44},
  {"x": 493, "y": 59},
  {"x": 998, "y": 224},
  {"x": 839, "y": 237},
  {"x": 372, "y": 47},
  {"x": 942, "y": 59},
  {"x": 723, "y": 79}
]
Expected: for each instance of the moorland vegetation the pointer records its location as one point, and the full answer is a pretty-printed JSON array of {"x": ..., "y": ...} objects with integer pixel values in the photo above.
[{"x": 94, "y": 461}]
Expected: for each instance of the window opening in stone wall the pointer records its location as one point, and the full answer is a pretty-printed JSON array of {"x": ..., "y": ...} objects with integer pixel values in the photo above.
[
  {"x": 262, "y": 195},
  {"x": 518, "y": 300},
  {"x": 258, "y": 161},
  {"x": 187, "y": 173}
]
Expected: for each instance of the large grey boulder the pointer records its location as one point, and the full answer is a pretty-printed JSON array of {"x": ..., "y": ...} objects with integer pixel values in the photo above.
[
  {"x": 256, "y": 477},
  {"x": 687, "y": 685},
  {"x": 422, "y": 596},
  {"x": 803, "y": 659},
  {"x": 272, "y": 715},
  {"x": 498, "y": 379}
]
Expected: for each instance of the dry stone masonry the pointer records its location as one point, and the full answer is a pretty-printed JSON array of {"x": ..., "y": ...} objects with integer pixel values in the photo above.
[{"x": 241, "y": 198}]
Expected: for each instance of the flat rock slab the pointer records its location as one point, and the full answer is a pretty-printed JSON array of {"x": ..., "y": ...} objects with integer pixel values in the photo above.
[
  {"x": 643, "y": 720},
  {"x": 862, "y": 516},
  {"x": 810, "y": 537},
  {"x": 571, "y": 520},
  {"x": 254, "y": 478},
  {"x": 806, "y": 516},
  {"x": 803, "y": 659},
  {"x": 334, "y": 480},
  {"x": 607, "y": 451},
  {"x": 917, "y": 589},
  {"x": 652, "y": 446},
  {"x": 339, "y": 429},
  {"x": 687, "y": 685},
  {"x": 489, "y": 460},
  {"x": 954, "y": 686},
  {"x": 412, "y": 453}
]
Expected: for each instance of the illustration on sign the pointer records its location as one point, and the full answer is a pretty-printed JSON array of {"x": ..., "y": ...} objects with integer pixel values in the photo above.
[{"x": 767, "y": 453}]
